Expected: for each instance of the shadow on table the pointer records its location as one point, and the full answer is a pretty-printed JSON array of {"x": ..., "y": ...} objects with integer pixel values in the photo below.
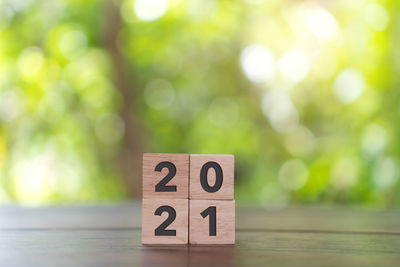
[{"x": 207, "y": 256}]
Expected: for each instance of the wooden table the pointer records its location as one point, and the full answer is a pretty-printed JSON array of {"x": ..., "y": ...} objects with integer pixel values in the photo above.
[{"x": 109, "y": 235}]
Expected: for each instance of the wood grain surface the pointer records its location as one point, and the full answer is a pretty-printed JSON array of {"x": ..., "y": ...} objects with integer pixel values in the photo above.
[{"x": 110, "y": 235}]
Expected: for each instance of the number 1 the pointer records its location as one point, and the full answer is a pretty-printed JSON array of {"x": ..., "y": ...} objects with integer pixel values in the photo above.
[{"x": 212, "y": 211}]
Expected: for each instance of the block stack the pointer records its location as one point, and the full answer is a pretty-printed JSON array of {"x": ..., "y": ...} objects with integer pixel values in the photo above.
[{"x": 188, "y": 199}]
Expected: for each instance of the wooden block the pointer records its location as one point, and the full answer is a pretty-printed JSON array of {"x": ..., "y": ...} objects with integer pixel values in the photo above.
[
  {"x": 211, "y": 176},
  {"x": 165, "y": 221},
  {"x": 166, "y": 176},
  {"x": 212, "y": 222}
]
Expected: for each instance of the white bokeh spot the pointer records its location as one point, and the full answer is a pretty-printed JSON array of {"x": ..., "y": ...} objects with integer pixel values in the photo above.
[
  {"x": 376, "y": 16},
  {"x": 293, "y": 174},
  {"x": 280, "y": 111},
  {"x": 385, "y": 172},
  {"x": 321, "y": 23},
  {"x": 344, "y": 174},
  {"x": 149, "y": 10},
  {"x": 349, "y": 85},
  {"x": 373, "y": 139},
  {"x": 294, "y": 65},
  {"x": 257, "y": 63}
]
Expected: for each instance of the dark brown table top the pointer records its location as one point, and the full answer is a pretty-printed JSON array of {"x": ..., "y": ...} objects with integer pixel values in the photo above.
[{"x": 109, "y": 235}]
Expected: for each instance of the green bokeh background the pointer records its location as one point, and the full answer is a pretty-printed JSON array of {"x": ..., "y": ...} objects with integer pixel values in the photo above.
[{"x": 305, "y": 94}]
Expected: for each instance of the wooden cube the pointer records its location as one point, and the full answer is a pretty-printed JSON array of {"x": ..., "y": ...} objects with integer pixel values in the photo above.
[
  {"x": 212, "y": 222},
  {"x": 166, "y": 176},
  {"x": 211, "y": 176},
  {"x": 165, "y": 221}
]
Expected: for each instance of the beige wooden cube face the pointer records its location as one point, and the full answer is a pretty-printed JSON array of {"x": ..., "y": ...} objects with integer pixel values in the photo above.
[
  {"x": 165, "y": 221},
  {"x": 166, "y": 176},
  {"x": 206, "y": 172},
  {"x": 212, "y": 222}
]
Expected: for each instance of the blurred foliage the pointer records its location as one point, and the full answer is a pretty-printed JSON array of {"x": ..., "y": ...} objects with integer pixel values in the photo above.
[{"x": 303, "y": 93}]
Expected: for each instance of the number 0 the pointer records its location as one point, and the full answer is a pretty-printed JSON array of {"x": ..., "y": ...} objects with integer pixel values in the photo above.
[{"x": 204, "y": 177}]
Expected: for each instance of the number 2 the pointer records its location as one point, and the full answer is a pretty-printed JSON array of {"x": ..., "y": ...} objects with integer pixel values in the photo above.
[
  {"x": 160, "y": 230},
  {"x": 212, "y": 223},
  {"x": 162, "y": 185}
]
